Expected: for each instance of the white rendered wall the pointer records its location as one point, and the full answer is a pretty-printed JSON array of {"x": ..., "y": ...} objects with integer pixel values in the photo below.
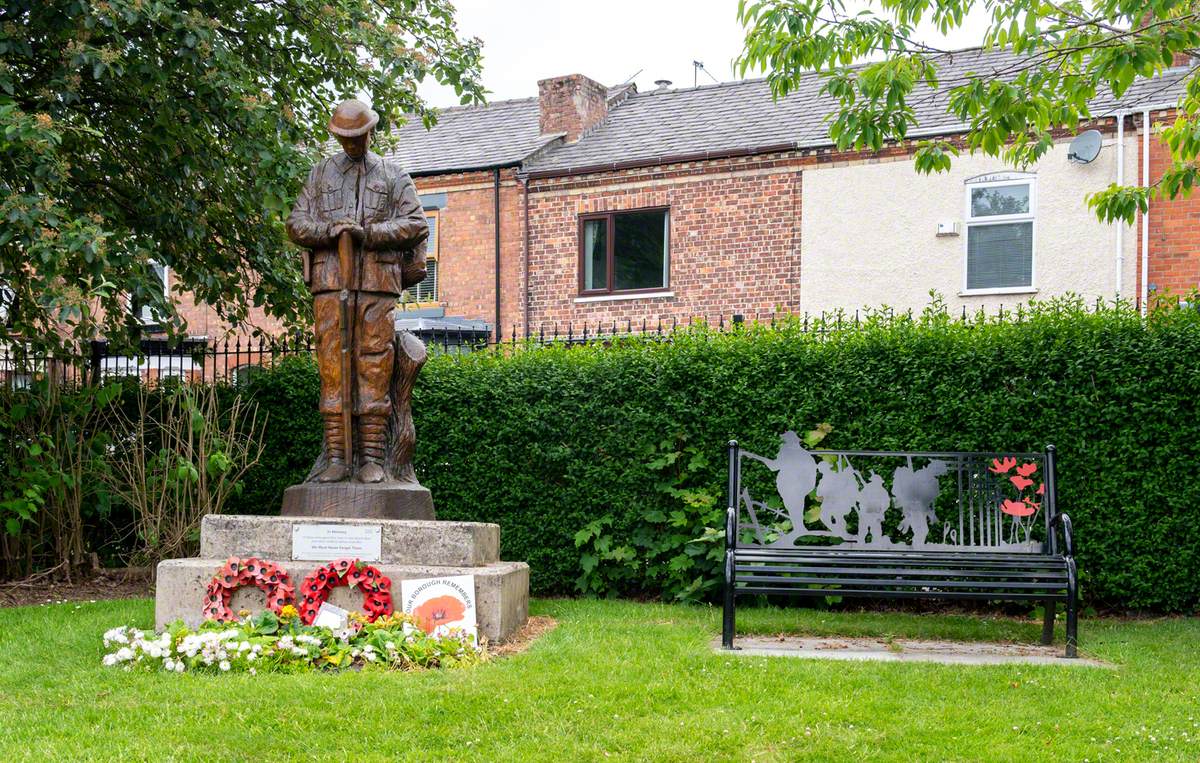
[{"x": 868, "y": 233}]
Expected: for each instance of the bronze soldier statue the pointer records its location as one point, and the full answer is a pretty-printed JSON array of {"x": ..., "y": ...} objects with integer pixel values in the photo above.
[{"x": 364, "y": 228}]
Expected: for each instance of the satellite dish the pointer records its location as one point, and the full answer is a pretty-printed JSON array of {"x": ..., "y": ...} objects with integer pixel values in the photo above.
[{"x": 1085, "y": 147}]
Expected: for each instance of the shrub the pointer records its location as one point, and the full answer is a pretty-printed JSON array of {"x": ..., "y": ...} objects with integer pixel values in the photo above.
[
  {"x": 52, "y": 447},
  {"x": 118, "y": 471},
  {"x": 179, "y": 452},
  {"x": 605, "y": 464},
  {"x": 287, "y": 393},
  {"x": 567, "y": 444}
]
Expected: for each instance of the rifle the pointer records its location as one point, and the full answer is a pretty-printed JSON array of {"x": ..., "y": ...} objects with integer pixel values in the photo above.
[{"x": 346, "y": 270}]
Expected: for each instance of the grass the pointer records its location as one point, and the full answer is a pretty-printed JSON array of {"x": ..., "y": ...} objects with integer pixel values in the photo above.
[{"x": 615, "y": 680}]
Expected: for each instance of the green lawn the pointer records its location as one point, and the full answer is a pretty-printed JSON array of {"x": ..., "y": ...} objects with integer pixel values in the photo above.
[{"x": 616, "y": 680}]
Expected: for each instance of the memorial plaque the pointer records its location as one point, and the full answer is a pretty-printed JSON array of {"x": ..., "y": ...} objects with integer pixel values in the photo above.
[
  {"x": 441, "y": 604},
  {"x": 312, "y": 542}
]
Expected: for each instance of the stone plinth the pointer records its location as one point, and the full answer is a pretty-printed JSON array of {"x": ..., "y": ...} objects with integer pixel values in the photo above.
[
  {"x": 450, "y": 544},
  {"x": 501, "y": 591},
  {"x": 383, "y": 500},
  {"x": 408, "y": 549}
]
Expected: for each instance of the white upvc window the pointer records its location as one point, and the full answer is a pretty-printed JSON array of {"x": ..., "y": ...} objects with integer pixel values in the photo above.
[
  {"x": 145, "y": 313},
  {"x": 1000, "y": 211}
]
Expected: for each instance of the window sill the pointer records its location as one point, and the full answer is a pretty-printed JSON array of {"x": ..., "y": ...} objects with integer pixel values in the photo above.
[
  {"x": 1003, "y": 290},
  {"x": 636, "y": 295}
]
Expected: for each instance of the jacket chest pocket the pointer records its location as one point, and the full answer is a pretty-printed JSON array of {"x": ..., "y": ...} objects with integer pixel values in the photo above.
[
  {"x": 375, "y": 200},
  {"x": 331, "y": 197}
]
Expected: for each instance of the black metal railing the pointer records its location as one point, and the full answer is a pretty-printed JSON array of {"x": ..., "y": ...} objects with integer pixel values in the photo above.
[{"x": 235, "y": 358}]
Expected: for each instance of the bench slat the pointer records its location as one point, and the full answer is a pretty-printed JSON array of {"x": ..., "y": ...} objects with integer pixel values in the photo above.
[
  {"x": 904, "y": 594},
  {"x": 1058, "y": 574},
  {"x": 799, "y": 580},
  {"x": 873, "y": 552},
  {"x": 905, "y": 560}
]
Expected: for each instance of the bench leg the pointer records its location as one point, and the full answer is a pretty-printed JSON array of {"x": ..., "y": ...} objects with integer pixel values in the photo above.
[
  {"x": 1072, "y": 610},
  {"x": 1048, "y": 621},
  {"x": 727, "y": 620}
]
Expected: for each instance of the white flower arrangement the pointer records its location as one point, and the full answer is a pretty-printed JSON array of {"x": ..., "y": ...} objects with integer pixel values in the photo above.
[{"x": 272, "y": 643}]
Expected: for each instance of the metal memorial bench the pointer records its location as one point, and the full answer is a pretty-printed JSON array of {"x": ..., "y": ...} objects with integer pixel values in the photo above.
[{"x": 886, "y": 524}]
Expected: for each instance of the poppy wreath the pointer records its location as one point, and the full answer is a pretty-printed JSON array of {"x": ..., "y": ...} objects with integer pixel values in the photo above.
[
  {"x": 376, "y": 589},
  {"x": 271, "y": 578}
]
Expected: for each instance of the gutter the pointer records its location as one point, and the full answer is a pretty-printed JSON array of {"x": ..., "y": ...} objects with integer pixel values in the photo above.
[
  {"x": 454, "y": 170},
  {"x": 695, "y": 156},
  {"x": 1146, "y": 213},
  {"x": 525, "y": 249},
  {"x": 496, "y": 219},
  {"x": 1120, "y": 117}
]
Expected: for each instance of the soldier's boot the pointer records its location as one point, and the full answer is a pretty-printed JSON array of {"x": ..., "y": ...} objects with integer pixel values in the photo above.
[
  {"x": 335, "y": 446},
  {"x": 372, "y": 432}
]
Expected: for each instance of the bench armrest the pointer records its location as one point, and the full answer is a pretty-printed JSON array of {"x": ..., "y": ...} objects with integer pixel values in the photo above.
[{"x": 1061, "y": 518}]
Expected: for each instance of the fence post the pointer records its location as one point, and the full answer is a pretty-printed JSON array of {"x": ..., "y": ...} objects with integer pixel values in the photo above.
[{"x": 96, "y": 361}]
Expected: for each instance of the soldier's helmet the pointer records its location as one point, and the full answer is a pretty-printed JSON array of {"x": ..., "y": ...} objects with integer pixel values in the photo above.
[{"x": 352, "y": 118}]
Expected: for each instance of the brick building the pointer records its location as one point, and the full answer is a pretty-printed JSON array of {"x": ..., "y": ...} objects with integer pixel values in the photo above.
[{"x": 596, "y": 204}]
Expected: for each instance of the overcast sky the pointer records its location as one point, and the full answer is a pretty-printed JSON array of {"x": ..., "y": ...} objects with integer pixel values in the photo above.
[{"x": 609, "y": 41}]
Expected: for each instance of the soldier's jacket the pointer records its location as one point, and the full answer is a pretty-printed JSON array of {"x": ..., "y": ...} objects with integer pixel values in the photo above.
[{"x": 391, "y": 214}]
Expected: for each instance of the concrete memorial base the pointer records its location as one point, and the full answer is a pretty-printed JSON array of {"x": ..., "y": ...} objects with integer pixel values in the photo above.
[{"x": 404, "y": 549}]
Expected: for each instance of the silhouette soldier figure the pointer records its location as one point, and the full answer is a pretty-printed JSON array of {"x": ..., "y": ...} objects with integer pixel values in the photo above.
[
  {"x": 795, "y": 477},
  {"x": 915, "y": 492}
]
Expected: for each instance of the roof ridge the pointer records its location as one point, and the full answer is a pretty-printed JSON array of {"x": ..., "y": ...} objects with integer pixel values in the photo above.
[
  {"x": 753, "y": 80},
  {"x": 485, "y": 105}
]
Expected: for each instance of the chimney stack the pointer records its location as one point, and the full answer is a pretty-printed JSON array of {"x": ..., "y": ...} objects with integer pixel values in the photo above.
[{"x": 570, "y": 104}]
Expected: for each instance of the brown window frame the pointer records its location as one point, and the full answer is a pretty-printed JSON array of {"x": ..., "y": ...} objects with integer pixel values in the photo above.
[{"x": 610, "y": 239}]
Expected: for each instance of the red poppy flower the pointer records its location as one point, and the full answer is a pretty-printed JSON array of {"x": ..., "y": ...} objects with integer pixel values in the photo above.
[
  {"x": 438, "y": 611},
  {"x": 1001, "y": 466},
  {"x": 1041, "y": 489},
  {"x": 1020, "y": 482},
  {"x": 1016, "y": 508},
  {"x": 1026, "y": 470}
]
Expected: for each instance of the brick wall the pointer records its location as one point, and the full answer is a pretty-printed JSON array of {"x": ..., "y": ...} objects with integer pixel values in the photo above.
[
  {"x": 734, "y": 242},
  {"x": 202, "y": 319},
  {"x": 466, "y": 268},
  {"x": 1174, "y": 239}
]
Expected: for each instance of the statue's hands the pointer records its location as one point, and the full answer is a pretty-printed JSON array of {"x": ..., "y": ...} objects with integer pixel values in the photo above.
[
  {"x": 357, "y": 232},
  {"x": 346, "y": 224}
]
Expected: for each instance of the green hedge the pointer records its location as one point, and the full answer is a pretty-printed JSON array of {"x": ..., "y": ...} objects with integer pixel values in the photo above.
[{"x": 603, "y": 465}]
